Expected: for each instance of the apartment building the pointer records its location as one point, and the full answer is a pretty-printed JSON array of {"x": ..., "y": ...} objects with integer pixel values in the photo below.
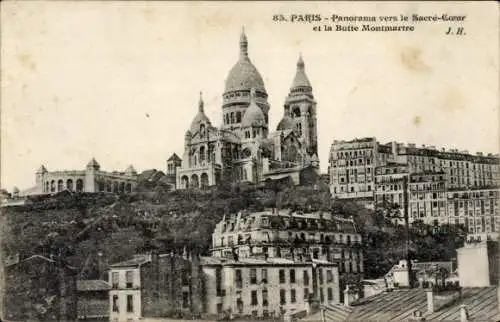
[
  {"x": 267, "y": 288},
  {"x": 155, "y": 285},
  {"x": 440, "y": 182},
  {"x": 389, "y": 183},
  {"x": 352, "y": 167},
  {"x": 296, "y": 236}
]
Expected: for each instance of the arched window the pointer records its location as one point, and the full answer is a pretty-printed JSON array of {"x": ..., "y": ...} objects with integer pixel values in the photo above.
[
  {"x": 79, "y": 185},
  {"x": 238, "y": 117},
  {"x": 245, "y": 177},
  {"x": 202, "y": 155},
  {"x": 52, "y": 186},
  {"x": 227, "y": 118},
  {"x": 235, "y": 152},
  {"x": 47, "y": 186},
  {"x": 194, "y": 181},
  {"x": 232, "y": 117},
  {"x": 69, "y": 185},
  {"x": 60, "y": 185},
  {"x": 296, "y": 112},
  {"x": 185, "y": 182},
  {"x": 202, "y": 129},
  {"x": 204, "y": 180},
  {"x": 128, "y": 188}
]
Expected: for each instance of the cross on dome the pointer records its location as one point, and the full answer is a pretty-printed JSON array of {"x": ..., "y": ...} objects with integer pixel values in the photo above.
[
  {"x": 200, "y": 102},
  {"x": 243, "y": 43}
]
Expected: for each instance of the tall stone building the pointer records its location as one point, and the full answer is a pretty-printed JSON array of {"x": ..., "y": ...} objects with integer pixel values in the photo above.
[
  {"x": 273, "y": 263},
  {"x": 244, "y": 149},
  {"x": 155, "y": 285},
  {"x": 444, "y": 186}
]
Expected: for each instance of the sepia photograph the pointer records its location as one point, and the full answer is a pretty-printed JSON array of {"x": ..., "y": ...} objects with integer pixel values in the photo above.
[{"x": 249, "y": 161}]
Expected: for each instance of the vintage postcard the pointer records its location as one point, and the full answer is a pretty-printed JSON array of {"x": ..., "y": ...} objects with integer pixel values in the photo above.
[{"x": 273, "y": 161}]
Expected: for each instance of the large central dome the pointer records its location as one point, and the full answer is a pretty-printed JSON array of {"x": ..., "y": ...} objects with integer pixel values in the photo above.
[{"x": 244, "y": 75}]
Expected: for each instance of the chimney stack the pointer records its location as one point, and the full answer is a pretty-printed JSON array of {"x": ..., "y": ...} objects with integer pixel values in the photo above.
[
  {"x": 464, "y": 313},
  {"x": 430, "y": 300}
]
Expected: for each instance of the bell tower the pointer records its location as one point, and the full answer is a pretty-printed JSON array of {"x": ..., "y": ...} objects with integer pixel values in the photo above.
[{"x": 301, "y": 107}]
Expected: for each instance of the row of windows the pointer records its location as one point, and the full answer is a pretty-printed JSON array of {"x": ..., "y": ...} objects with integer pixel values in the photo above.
[
  {"x": 109, "y": 186},
  {"x": 351, "y": 189},
  {"x": 129, "y": 305},
  {"x": 355, "y": 178},
  {"x": 282, "y": 277},
  {"x": 129, "y": 279},
  {"x": 354, "y": 154},
  {"x": 298, "y": 237},
  {"x": 130, "y": 302}
]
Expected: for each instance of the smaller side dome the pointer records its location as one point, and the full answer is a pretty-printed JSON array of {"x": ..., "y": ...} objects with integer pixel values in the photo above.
[
  {"x": 286, "y": 123},
  {"x": 253, "y": 115},
  {"x": 42, "y": 169},
  {"x": 200, "y": 117},
  {"x": 300, "y": 79},
  {"x": 93, "y": 164},
  {"x": 130, "y": 171}
]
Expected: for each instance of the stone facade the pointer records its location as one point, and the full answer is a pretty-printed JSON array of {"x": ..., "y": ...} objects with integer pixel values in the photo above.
[
  {"x": 39, "y": 288},
  {"x": 267, "y": 288},
  {"x": 444, "y": 186},
  {"x": 483, "y": 253},
  {"x": 155, "y": 285},
  {"x": 292, "y": 236},
  {"x": 244, "y": 149},
  {"x": 91, "y": 179}
]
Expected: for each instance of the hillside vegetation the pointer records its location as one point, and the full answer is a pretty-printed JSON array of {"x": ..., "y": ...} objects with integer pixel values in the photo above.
[{"x": 93, "y": 230}]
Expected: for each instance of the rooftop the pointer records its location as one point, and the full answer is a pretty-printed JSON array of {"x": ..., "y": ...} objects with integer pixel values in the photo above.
[
  {"x": 137, "y": 260},
  {"x": 92, "y": 285},
  {"x": 259, "y": 261},
  {"x": 399, "y": 305}
]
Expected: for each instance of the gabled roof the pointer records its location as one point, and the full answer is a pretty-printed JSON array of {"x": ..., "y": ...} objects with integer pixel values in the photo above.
[
  {"x": 150, "y": 175},
  {"x": 40, "y": 258},
  {"x": 174, "y": 157},
  {"x": 399, "y": 305},
  {"x": 92, "y": 285},
  {"x": 133, "y": 262}
]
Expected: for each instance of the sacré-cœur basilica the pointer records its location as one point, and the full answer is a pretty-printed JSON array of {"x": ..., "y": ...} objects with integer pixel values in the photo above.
[{"x": 243, "y": 149}]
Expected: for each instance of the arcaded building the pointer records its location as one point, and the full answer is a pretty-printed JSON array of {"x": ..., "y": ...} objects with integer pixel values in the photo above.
[
  {"x": 90, "y": 179},
  {"x": 244, "y": 148}
]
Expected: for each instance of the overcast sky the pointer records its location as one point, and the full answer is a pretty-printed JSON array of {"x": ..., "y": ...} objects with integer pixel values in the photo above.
[{"x": 120, "y": 81}]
